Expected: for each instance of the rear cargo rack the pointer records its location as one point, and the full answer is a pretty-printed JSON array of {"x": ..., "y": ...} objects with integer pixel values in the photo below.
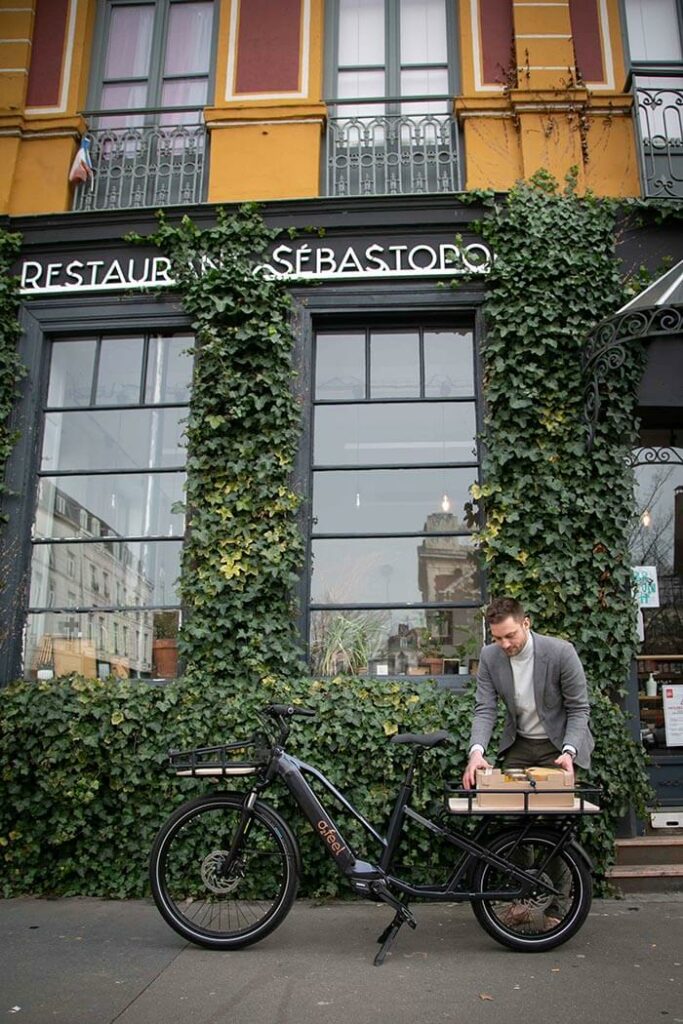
[{"x": 586, "y": 800}]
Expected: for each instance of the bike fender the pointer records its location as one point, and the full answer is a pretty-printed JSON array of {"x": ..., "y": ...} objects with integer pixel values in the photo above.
[{"x": 578, "y": 848}]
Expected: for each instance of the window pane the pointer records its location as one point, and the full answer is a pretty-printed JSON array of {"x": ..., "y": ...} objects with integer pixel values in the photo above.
[
  {"x": 135, "y": 505},
  {"x": 449, "y": 364},
  {"x": 395, "y": 642},
  {"x": 340, "y": 366},
  {"x": 395, "y": 365},
  {"x": 425, "y": 82},
  {"x": 653, "y": 30},
  {"x": 104, "y": 573},
  {"x": 423, "y": 32},
  {"x": 393, "y": 434},
  {"x": 119, "y": 373},
  {"x": 122, "y": 643},
  {"x": 188, "y": 44},
  {"x": 187, "y": 92},
  {"x": 361, "y": 32},
  {"x": 360, "y": 83},
  {"x": 130, "y": 41},
  {"x": 390, "y": 501},
  {"x": 169, "y": 369},
  {"x": 395, "y": 570},
  {"x": 71, "y": 372},
  {"x": 123, "y": 97},
  {"x": 125, "y": 439}
]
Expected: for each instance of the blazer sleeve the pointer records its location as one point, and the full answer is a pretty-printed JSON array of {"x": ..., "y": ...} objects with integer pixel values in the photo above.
[
  {"x": 574, "y": 697},
  {"x": 485, "y": 707}
]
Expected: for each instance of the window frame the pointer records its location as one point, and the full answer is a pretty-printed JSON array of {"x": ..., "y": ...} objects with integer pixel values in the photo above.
[
  {"x": 392, "y": 98},
  {"x": 341, "y": 308},
  {"x": 41, "y": 321},
  {"x": 151, "y": 111}
]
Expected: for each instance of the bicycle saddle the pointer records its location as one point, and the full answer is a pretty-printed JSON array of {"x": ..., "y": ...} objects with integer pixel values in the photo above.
[{"x": 425, "y": 739}]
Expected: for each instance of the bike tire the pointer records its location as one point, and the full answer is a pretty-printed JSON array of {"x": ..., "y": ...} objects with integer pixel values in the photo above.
[
  {"x": 541, "y": 921},
  {"x": 187, "y": 885}
]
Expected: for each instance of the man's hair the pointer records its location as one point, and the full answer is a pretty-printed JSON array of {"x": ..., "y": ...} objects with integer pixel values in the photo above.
[{"x": 502, "y": 608}]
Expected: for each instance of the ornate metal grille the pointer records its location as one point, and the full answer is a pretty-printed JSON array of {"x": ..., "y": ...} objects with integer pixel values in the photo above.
[
  {"x": 150, "y": 165},
  {"x": 392, "y": 154},
  {"x": 660, "y": 126}
]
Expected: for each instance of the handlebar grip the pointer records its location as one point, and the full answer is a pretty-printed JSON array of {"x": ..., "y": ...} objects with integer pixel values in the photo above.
[{"x": 288, "y": 710}]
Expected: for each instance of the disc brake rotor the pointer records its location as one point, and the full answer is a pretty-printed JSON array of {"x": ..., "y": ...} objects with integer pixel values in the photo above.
[{"x": 211, "y": 872}]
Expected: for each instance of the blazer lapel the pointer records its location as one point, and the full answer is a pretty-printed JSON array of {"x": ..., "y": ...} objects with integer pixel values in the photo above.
[
  {"x": 506, "y": 683},
  {"x": 540, "y": 669}
]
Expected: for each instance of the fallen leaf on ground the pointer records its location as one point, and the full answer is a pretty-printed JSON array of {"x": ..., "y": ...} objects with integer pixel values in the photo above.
[{"x": 485, "y": 995}]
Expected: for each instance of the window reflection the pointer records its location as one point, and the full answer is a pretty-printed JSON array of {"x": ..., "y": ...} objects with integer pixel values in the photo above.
[
  {"x": 387, "y": 433},
  {"x": 72, "y": 366},
  {"x": 138, "y": 644},
  {"x": 105, "y": 573},
  {"x": 375, "y": 501},
  {"x": 395, "y": 570},
  {"x": 133, "y": 505},
  {"x": 388, "y": 642},
  {"x": 112, "y": 439}
]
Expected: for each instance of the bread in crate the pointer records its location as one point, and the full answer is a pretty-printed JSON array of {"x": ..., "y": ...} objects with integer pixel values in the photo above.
[{"x": 547, "y": 789}]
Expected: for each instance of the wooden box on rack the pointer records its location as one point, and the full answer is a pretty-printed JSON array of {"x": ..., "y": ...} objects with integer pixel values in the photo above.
[{"x": 512, "y": 796}]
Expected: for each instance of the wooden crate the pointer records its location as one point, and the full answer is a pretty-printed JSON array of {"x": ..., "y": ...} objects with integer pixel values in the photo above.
[{"x": 543, "y": 796}]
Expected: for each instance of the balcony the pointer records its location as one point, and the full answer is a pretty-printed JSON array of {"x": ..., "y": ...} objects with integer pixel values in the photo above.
[
  {"x": 659, "y": 118},
  {"x": 142, "y": 165},
  {"x": 391, "y": 154}
]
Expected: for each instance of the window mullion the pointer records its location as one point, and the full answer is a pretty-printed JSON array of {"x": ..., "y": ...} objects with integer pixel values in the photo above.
[
  {"x": 392, "y": 54},
  {"x": 157, "y": 57}
]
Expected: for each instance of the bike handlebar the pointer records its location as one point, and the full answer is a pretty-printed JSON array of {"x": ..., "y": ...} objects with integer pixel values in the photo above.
[{"x": 287, "y": 711}]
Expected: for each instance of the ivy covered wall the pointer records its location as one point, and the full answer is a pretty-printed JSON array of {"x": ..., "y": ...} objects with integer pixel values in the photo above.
[{"x": 82, "y": 761}]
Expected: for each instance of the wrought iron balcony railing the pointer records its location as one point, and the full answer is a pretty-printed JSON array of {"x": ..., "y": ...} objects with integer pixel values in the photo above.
[
  {"x": 145, "y": 165},
  {"x": 659, "y": 119},
  {"x": 392, "y": 154}
]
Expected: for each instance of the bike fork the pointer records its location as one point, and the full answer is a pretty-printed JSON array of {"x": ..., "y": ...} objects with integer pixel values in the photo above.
[
  {"x": 401, "y": 917},
  {"x": 245, "y": 822}
]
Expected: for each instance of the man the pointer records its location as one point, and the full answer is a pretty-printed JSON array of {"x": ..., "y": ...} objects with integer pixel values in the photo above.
[{"x": 542, "y": 683}]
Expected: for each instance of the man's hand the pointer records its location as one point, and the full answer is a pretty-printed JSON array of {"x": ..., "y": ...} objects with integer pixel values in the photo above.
[
  {"x": 565, "y": 762},
  {"x": 477, "y": 760}
]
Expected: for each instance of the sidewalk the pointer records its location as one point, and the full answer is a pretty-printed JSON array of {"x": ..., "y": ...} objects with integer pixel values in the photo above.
[{"x": 86, "y": 961}]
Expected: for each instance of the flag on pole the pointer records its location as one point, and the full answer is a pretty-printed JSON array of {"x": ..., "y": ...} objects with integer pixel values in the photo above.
[{"x": 82, "y": 168}]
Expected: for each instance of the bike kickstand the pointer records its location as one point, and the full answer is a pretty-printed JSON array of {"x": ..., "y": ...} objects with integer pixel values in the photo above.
[{"x": 389, "y": 934}]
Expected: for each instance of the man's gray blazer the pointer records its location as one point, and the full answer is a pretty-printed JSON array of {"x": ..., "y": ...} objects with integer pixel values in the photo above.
[{"x": 559, "y": 688}]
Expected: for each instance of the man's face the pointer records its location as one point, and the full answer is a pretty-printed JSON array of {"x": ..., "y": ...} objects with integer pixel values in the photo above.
[{"x": 511, "y": 635}]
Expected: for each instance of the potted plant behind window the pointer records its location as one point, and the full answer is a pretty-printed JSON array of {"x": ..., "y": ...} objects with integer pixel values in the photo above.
[
  {"x": 346, "y": 646},
  {"x": 165, "y": 645}
]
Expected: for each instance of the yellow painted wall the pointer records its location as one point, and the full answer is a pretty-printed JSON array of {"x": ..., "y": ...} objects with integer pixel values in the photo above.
[
  {"x": 35, "y": 177},
  {"x": 271, "y": 147}
]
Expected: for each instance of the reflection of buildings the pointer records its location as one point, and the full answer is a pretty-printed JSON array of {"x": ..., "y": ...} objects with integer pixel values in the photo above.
[
  {"x": 86, "y": 575},
  {"x": 447, "y": 571}
]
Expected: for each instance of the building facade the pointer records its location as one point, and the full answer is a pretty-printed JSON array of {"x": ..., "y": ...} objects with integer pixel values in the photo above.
[{"x": 367, "y": 119}]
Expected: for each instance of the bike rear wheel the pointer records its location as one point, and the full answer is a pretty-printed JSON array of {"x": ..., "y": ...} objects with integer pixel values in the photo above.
[
  {"x": 207, "y": 901},
  {"x": 541, "y": 920}
]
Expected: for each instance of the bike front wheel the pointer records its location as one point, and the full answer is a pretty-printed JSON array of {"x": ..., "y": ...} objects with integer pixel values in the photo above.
[
  {"x": 214, "y": 900},
  {"x": 541, "y": 920}
]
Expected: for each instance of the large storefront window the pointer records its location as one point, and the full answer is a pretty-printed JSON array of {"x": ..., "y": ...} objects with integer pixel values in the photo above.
[
  {"x": 395, "y": 583},
  {"x": 107, "y": 533},
  {"x": 658, "y": 547}
]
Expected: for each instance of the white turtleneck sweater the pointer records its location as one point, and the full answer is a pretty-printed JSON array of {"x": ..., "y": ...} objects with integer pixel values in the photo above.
[{"x": 528, "y": 723}]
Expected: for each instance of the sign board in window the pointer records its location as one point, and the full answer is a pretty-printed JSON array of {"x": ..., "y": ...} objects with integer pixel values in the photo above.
[
  {"x": 673, "y": 714},
  {"x": 645, "y": 586}
]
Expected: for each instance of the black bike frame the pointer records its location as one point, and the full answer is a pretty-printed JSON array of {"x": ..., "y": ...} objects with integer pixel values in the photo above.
[{"x": 294, "y": 771}]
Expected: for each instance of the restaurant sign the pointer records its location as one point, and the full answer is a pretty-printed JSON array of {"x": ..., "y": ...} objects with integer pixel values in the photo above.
[{"x": 302, "y": 261}]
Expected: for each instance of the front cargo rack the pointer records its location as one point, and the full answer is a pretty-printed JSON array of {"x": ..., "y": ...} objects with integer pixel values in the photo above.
[{"x": 218, "y": 761}]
